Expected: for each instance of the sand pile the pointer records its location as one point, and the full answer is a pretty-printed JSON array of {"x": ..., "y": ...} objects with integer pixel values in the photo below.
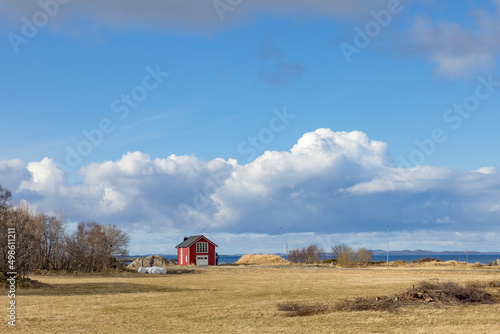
[{"x": 261, "y": 259}]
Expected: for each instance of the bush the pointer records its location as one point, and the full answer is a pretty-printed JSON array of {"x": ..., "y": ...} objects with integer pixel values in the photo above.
[
  {"x": 311, "y": 254},
  {"x": 426, "y": 259},
  {"x": 364, "y": 256},
  {"x": 347, "y": 257}
]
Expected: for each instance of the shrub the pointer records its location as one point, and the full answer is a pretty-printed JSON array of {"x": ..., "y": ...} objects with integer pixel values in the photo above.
[
  {"x": 311, "y": 254},
  {"x": 364, "y": 256},
  {"x": 426, "y": 259},
  {"x": 346, "y": 256}
]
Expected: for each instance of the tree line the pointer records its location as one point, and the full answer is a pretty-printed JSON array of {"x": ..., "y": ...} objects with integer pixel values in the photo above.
[
  {"x": 345, "y": 255},
  {"x": 41, "y": 241}
]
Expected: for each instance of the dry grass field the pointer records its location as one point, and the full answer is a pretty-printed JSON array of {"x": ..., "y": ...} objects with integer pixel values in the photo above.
[{"x": 244, "y": 300}]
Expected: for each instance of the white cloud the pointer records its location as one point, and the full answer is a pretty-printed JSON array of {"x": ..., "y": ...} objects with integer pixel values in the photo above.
[
  {"x": 329, "y": 182},
  {"x": 12, "y": 173},
  {"x": 187, "y": 15},
  {"x": 457, "y": 49}
]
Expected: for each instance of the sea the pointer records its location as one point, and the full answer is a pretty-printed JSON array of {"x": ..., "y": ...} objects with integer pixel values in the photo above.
[{"x": 472, "y": 258}]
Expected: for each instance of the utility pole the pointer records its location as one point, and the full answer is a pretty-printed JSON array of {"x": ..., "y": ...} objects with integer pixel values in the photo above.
[
  {"x": 281, "y": 251},
  {"x": 387, "y": 239}
]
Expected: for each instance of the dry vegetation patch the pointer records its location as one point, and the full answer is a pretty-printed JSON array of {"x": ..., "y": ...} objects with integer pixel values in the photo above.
[
  {"x": 301, "y": 309},
  {"x": 261, "y": 259},
  {"x": 25, "y": 283},
  {"x": 425, "y": 293},
  {"x": 243, "y": 299}
]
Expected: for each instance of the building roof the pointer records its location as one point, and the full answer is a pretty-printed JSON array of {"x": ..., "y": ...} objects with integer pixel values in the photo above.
[{"x": 191, "y": 240}]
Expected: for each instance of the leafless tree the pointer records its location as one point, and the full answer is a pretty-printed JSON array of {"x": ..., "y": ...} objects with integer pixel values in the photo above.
[
  {"x": 344, "y": 254},
  {"x": 94, "y": 247},
  {"x": 19, "y": 219},
  {"x": 117, "y": 239},
  {"x": 41, "y": 241},
  {"x": 310, "y": 254},
  {"x": 347, "y": 257},
  {"x": 5, "y": 197},
  {"x": 364, "y": 256},
  {"x": 51, "y": 231}
]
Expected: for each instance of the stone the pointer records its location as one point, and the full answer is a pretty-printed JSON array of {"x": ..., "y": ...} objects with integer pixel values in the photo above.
[{"x": 150, "y": 261}]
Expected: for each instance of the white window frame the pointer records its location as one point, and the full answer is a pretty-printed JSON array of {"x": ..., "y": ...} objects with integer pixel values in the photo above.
[{"x": 201, "y": 247}]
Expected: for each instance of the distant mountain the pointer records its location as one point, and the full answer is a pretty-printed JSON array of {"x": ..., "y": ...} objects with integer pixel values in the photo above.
[{"x": 427, "y": 252}]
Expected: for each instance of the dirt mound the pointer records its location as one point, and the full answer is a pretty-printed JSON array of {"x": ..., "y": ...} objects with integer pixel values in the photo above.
[
  {"x": 260, "y": 259},
  {"x": 151, "y": 261}
]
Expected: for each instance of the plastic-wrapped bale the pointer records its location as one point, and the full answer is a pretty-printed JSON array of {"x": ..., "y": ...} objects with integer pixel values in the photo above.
[
  {"x": 142, "y": 270},
  {"x": 153, "y": 270},
  {"x": 160, "y": 270},
  {"x": 157, "y": 270}
]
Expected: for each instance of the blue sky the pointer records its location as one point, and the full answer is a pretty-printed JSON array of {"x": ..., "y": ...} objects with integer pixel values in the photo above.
[{"x": 204, "y": 143}]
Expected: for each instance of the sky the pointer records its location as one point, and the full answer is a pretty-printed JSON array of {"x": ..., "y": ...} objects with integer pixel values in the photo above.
[{"x": 323, "y": 121}]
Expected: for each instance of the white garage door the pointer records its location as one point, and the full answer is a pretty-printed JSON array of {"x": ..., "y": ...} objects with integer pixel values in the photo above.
[{"x": 202, "y": 260}]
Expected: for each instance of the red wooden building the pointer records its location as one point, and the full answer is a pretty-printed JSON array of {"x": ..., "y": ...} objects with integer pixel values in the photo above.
[{"x": 197, "y": 250}]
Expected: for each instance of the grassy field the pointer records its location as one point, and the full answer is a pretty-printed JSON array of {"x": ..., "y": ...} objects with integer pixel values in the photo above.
[{"x": 243, "y": 300}]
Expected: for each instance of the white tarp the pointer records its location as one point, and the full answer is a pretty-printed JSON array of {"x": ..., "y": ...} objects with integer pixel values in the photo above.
[{"x": 152, "y": 270}]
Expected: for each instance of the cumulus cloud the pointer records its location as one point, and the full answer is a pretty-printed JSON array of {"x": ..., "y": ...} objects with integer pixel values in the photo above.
[
  {"x": 457, "y": 49},
  {"x": 12, "y": 173},
  {"x": 328, "y": 182}
]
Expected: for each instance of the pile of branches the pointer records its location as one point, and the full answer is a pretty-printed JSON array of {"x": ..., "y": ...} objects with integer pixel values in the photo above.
[{"x": 425, "y": 293}]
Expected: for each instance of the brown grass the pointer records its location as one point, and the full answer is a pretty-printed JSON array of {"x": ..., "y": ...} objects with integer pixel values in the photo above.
[
  {"x": 243, "y": 300},
  {"x": 261, "y": 259},
  {"x": 436, "y": 293},
  {"x": 366, "y": 304}
]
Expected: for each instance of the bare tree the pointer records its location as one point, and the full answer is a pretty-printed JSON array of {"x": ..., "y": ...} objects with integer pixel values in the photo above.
[
  {"x": 94, "y": 247},
  {"x": 51, "y": 236},
  {"x": 294, "y": 256},
  {"x": 344, "y": 254},
  {"x": 364, "y": 256},
  {"x": 311, "y": 254},
  {"x": 39, "y": 241},
  {"x": 5, "y": 197},
  {"x": 347, "y": 257},
  {"x": 20, "y": 220},
  {"x": 117, "y": 239}
]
